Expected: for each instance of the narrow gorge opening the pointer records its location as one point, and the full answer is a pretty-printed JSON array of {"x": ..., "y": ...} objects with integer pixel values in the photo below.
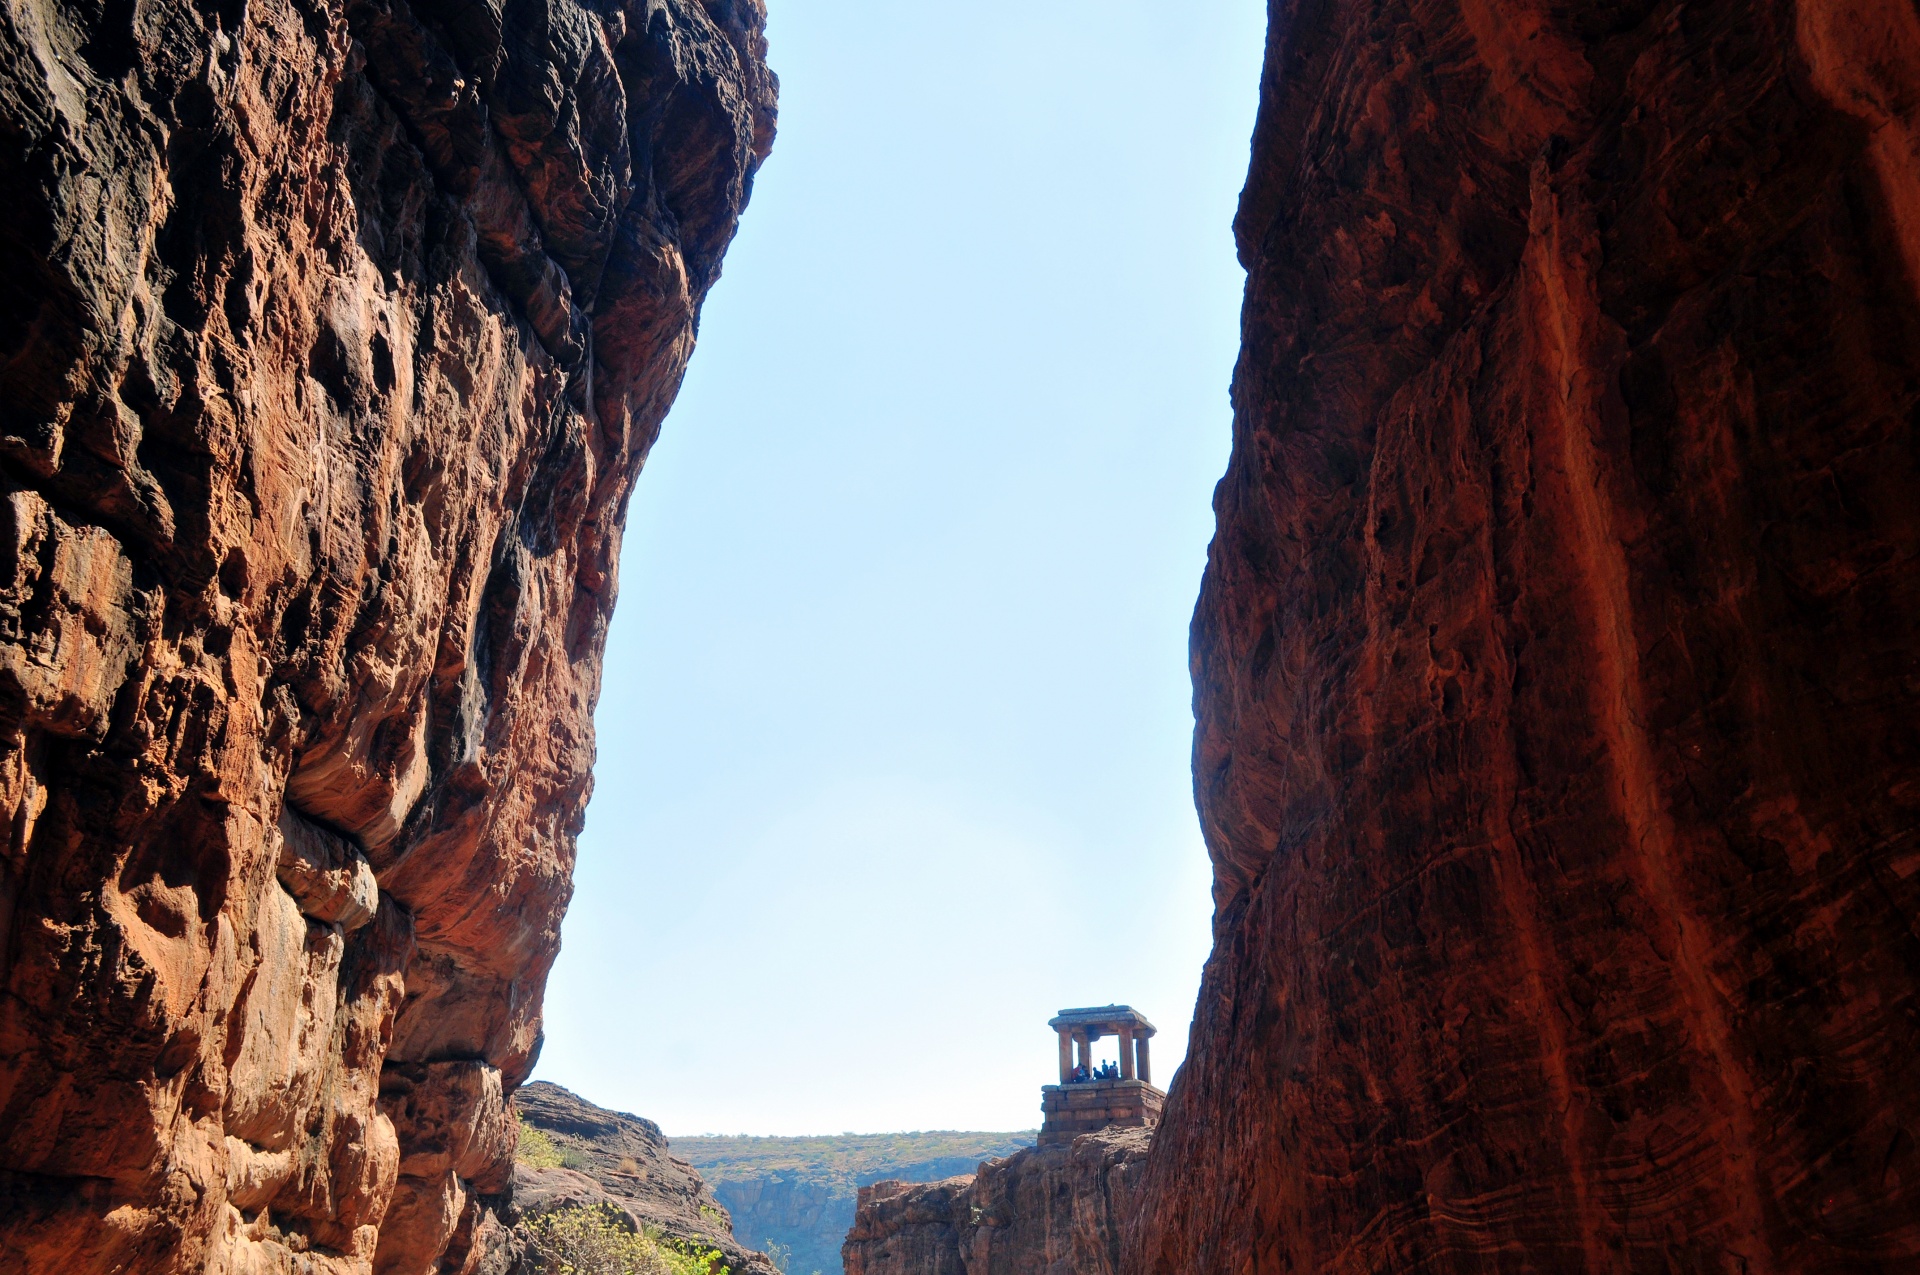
[
  {"x": 1520, "y": 848},
  {"x": 894, "y": 732}
]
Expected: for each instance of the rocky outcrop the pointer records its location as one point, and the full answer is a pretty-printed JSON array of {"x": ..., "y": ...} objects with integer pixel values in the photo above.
[
  {"x": 1048, "y": 1210},
  {"x": 1555, "y": 666},
  {"x": 619, "y": 1161},
  {"x": 902, "y": 1228},
  {"x": 332, "y": 336}
]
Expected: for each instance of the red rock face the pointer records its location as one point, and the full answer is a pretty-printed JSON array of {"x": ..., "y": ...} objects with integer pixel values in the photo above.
[
  {"x": 1558, "y": 661},
  {"x": 1045, "y": 1210},
  {"x": 332, "y": 336}
]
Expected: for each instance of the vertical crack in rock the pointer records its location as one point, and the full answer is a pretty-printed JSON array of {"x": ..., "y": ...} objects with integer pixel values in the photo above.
[
  {"x": 332, "y": 337},
  {"x": 1555, "y": 667}
]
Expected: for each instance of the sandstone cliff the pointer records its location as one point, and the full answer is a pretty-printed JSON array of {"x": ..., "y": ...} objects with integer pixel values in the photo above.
[
  {"x": 1557, "y": 666},
  {"x": 1052, "y": 1210},
  {"x": 617, "y": 1160},
  {"x": 332, "y": 336}
]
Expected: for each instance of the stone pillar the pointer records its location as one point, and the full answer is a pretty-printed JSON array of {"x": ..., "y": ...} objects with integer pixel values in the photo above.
[
  {"x": 1126, "y": 1053},
  {"x": 1083, "y": 1057},
  {"x": 1146, "y": 1069},
  {"x": 1066, "y": 1055}
]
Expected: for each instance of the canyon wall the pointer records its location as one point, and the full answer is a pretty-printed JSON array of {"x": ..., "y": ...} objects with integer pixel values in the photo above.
[
  {"x": 1059, "y": 1209},
  {"x": 332, "y": 336},
  {"x": 1557, "y": 666}
]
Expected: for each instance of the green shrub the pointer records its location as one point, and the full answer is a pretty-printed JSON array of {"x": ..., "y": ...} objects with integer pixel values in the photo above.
[
  {"x": 536, "y": 1149},
  {"x": 692, "y": 1259},
  {"x": 600, "y": 1241},
  {"x": 541, "y": 1150}
]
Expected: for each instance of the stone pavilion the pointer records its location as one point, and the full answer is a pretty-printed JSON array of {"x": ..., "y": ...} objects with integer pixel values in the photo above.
[{"x": 1085, "y": 1099}]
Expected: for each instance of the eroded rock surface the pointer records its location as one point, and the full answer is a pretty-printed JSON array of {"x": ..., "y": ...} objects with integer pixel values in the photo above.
[
  {"x": 1048, "y": 1210},
  {"x": 332, "y": 336},
  {"x": 1558, "y": 662}
]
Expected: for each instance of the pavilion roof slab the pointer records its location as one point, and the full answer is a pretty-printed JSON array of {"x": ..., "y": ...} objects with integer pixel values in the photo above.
[{"x": 1104, "y": 1020}]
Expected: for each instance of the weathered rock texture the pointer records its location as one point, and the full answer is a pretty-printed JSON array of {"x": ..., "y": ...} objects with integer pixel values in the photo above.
[
  {"x": 1058, "y": 1209},
  {"x": 620, "y": 1161},
  {"x": 1558, "y": 662},
  {"x": 332, "y": 336}
]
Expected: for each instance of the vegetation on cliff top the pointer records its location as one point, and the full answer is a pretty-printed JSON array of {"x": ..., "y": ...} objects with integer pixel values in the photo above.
[{"x": 850, "y": 1158}]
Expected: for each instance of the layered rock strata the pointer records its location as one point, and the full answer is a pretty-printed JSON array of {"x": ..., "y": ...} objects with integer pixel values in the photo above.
[
  {"x": 1557, "y": 666},
  {"x": 614, "y": 1160},
  {"x": 332, "y": 336},
  {"x": 1058, "y": 1209}
]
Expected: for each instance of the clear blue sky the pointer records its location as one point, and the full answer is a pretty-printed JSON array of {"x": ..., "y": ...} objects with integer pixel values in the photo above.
[{"x": 895, "y": 730}]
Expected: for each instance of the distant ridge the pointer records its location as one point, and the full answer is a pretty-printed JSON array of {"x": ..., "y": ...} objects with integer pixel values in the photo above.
[{"x": 800, "y": 1192}]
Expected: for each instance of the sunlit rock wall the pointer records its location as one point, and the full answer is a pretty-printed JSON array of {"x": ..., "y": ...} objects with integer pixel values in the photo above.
[
  {"x": 1558, "y": 661},
  {"x": 1048, "y": 1210},
  {"x": 332, "y": 336}
]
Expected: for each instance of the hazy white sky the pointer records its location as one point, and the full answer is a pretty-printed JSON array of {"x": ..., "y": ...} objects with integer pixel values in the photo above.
[{"x": 894, "y": 737}]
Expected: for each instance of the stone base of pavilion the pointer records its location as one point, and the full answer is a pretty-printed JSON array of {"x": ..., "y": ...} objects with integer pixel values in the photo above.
[{"x": 1071, "y": 1110}]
